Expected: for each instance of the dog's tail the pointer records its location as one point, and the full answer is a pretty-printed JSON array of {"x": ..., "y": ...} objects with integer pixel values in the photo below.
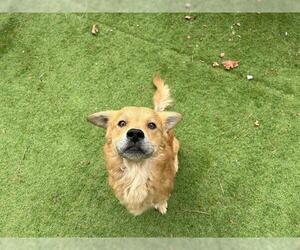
[{"x": 162, "y": 96}]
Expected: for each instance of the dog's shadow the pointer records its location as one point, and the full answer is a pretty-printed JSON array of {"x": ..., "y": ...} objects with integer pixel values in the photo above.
[{"x": 194, "y": 167}]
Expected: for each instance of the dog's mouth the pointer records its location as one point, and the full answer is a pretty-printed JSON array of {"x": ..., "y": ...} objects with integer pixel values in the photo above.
[
  {"x": 135, "y": 151},
  {"x": 134, "y": 148}
]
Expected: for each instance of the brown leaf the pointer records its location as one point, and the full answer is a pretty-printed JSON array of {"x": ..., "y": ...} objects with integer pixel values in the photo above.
[
  {"x": 222, "y": 54},
  {"x": 95, "y": 29},
  {"x": 230, "y": 64}
]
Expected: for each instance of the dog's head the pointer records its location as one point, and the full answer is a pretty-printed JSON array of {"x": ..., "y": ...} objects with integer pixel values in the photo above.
[{"x": 135, "y": 133}]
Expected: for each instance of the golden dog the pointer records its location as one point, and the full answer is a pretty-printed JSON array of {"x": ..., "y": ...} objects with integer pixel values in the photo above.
[{"x": 141, "y": 151}]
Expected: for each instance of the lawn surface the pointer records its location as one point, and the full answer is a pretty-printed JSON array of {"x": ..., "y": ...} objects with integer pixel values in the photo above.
[{"x": 235, "y": 179}]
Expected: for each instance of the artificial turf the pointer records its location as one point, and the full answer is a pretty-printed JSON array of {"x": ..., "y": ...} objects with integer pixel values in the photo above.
[{"x": 235, "y": 179}]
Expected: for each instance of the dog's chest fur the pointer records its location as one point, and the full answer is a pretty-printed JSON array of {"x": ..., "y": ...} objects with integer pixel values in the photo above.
[
  {"x": 140, "y": 185},
  {"x": 136, "y": 180}
]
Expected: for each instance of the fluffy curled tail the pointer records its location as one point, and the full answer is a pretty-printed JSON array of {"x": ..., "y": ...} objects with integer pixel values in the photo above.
[{"x": 162, "y": 96}]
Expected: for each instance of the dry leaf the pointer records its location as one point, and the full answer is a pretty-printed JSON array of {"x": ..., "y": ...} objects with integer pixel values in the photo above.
[
  {"x": 256, "y": 124},
  {"x": 215, "y": 64},
  {"x": 250, "y": 77},
  {"x": 222, "y": 54},
  {"x": 230, "y": 64},
  {"x": 95, "y": 29}
]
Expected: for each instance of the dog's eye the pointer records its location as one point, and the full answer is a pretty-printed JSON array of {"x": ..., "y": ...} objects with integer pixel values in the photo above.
[
  {"x": 121, "y": 124},
  {"x": 151, "y": 125}
]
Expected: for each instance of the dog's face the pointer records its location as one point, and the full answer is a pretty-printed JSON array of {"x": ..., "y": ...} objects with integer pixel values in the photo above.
[{"x": 135, "y": 133}]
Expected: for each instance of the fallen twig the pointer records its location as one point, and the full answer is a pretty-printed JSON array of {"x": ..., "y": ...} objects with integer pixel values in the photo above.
[
  {"x": 195, "y": 211},
  {"x": 25, "y": 151},
  {"x": 221, "y": 186}
]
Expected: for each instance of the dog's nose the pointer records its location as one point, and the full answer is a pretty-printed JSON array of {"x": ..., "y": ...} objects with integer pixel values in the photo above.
[{"x": 135, "y": 134}]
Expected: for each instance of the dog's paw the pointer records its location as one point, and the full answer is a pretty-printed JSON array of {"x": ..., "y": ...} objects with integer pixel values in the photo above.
[{"x": 162, "y": 207}]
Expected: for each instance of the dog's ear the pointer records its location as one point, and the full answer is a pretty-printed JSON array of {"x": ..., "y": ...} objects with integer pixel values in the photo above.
[
  {"x": 100, "y": 119},
  {"x": 170, "y": 119}
]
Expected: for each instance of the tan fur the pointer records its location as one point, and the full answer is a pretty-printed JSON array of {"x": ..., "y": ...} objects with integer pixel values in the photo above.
[
  {"x": 162, "y": 97},
  {"x": 140, "y": 185}
]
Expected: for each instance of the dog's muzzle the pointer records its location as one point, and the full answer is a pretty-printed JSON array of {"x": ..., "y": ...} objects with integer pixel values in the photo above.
[{"x": 135, "y": 146}]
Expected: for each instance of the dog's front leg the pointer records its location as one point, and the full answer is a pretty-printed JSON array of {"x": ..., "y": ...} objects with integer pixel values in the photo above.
[{"x": 162, "y": 207}]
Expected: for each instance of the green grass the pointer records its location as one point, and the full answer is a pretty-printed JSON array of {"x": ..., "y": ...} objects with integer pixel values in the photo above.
[{"x": 53, "y": 73}]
